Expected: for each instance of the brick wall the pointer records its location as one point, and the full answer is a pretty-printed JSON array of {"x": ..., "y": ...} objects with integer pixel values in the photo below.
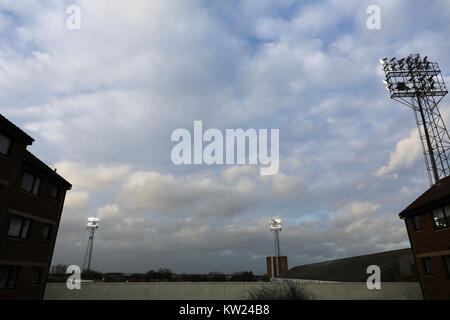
[
  {"x": 271, "y": 265},
  {"x": 433, "y": 244},
  {"x": 34, "y": 252}
]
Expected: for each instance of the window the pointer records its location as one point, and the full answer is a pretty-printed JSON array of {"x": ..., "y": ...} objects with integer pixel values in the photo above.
[
  {"x": 8, "y": 277},
  {"x": 30, "y": 183},
  {"x": 428, "y": 266},
  {"x": 447, "y": 264},
  {"x": 19, "y": 227},
  {"x": 441, "y": 218},
  {"x": 5, "y": 144},
  {"x": 46, "y": 232},
  {"x": 36, "y": 276},
  {"x": 54, "y": 193},
  {"x": 417, "y": 225}
]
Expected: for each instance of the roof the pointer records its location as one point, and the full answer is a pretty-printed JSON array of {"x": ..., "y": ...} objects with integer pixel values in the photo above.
[
  {"x": 30, "y": 159},
  {"x": 11, "y": 129},
  {"x": 43, "y": 169},
  {"x": 351, "y": 269},
  {"x": 437, "y": 195},
  {"x": 225, "y": 291}
]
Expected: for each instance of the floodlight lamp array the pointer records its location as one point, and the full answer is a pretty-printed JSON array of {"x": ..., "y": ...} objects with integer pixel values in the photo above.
[
  {"x": 275, "y": 224},
  {"x": 93, "y": 222},
  {"x": 412, "y": 76}
]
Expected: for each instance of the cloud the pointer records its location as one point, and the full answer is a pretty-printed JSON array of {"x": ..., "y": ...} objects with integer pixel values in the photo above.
[
  {"x": 284, "y": 184},
  {"x": 76, "y": 201},
  {"x": 406, "y": 152},
  {"x": 107, "y": 211},
  {"x": 235, "y": 171},
  {"x": 84, "y": 177},
  {"x": 203, "y": 194},
  {"x": 360, "y": 208},
  {"x": 102, "y": 102}
]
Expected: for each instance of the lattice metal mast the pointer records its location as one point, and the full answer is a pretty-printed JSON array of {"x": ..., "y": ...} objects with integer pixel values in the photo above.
[
  {"x": 419, "y": 85},
  {"x": 275, "y": 227},
  {"x": 92, "y": 225}
]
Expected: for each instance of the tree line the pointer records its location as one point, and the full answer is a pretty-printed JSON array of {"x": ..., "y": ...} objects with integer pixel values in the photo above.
[{"x": 58, "y": 274}]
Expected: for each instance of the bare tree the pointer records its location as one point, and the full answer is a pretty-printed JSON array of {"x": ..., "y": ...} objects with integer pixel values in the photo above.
[
  {"x": 289, "y": 291},
  {"x": 59, "y": 269}
]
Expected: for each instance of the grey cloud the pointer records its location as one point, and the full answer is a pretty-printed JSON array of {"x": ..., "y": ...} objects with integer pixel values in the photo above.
[{"x": 106, "y": 99}]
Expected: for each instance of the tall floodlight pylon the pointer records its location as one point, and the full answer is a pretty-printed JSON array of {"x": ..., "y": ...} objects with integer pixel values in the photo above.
[
  {"x": 418, "y": 84},
  {"x": 275, "y": 227},
  {"x": 92, "y": 225}
]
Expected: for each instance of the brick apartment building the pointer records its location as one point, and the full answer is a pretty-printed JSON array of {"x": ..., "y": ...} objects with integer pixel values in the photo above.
[
  {"x": 31, "y": 202},
  {"x": 427, "y": 221}
]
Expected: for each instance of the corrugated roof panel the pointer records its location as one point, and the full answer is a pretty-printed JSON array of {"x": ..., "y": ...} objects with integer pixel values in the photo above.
[{"x": 225, "y": 291}]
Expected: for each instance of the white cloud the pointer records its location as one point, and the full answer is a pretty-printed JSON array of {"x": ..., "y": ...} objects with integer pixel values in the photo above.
[
  {"x": 203, "y": 194},
  {"x": 76, "y": 201},
  {"x": 107, "y": 211},
  {"x": 360, "y": 208},
  {"x": 82, "y": 176},
  {"x": 103, "y": 101},
  {"x": 406, "y": 152},
  {"x": 284, "y": 184},
  {"x": 236, "y": 171}
]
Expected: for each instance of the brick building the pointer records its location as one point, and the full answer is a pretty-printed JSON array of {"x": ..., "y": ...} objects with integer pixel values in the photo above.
[
  {"x": 427, "y": 221},
  {"x": 31, "y": 202},
  {"x": 272, "y": 269}
]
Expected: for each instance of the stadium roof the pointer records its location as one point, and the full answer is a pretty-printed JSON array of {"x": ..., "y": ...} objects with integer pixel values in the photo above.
[
  {"x": 345, "y": 270},
  {"x": 225, "y": 291}
]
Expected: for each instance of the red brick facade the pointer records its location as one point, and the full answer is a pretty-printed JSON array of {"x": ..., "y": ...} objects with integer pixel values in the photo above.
[
  {"x": 272, "y": 270},
  {"x": 435, "y": 245}
]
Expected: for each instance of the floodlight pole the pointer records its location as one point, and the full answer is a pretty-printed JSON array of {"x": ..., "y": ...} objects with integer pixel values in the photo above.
[
  {"x": 427, "y": 137},
  {"x": 277, "y": 243},
  {"x": 275, "y": 227},
  {"x": 91, "y": 226},
  {"x": 91, "y": 240},
  {"x": 419, "y": 84},
  {"x": 88, "y": 254},
  {"x": 277, "y": 251}
]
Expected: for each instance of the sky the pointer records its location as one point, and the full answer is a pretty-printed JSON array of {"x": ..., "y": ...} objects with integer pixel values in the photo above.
[{"x": 102, "y": 101}]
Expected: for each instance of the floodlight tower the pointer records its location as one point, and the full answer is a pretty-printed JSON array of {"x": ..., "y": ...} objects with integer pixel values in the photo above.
[
  {"x": 275, "y": 227},
  {"x": 418, "y": 84},
  {"x": 92, "y": 225}
]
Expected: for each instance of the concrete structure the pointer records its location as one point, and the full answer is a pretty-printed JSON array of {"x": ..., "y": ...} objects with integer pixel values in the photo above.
[
  {"x": 276, "y": 265},
  {"x": 31, "y": 202},
  {"x": 395, "y": 266},
  {"x": 225, "y": 291},
  {"x": 427, "y": 221}
]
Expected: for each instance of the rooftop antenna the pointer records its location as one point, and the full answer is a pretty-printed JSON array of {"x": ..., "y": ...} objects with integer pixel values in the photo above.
[
  {"x": 418, "y": 84},
  {"x": 92, "y": 225}
]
